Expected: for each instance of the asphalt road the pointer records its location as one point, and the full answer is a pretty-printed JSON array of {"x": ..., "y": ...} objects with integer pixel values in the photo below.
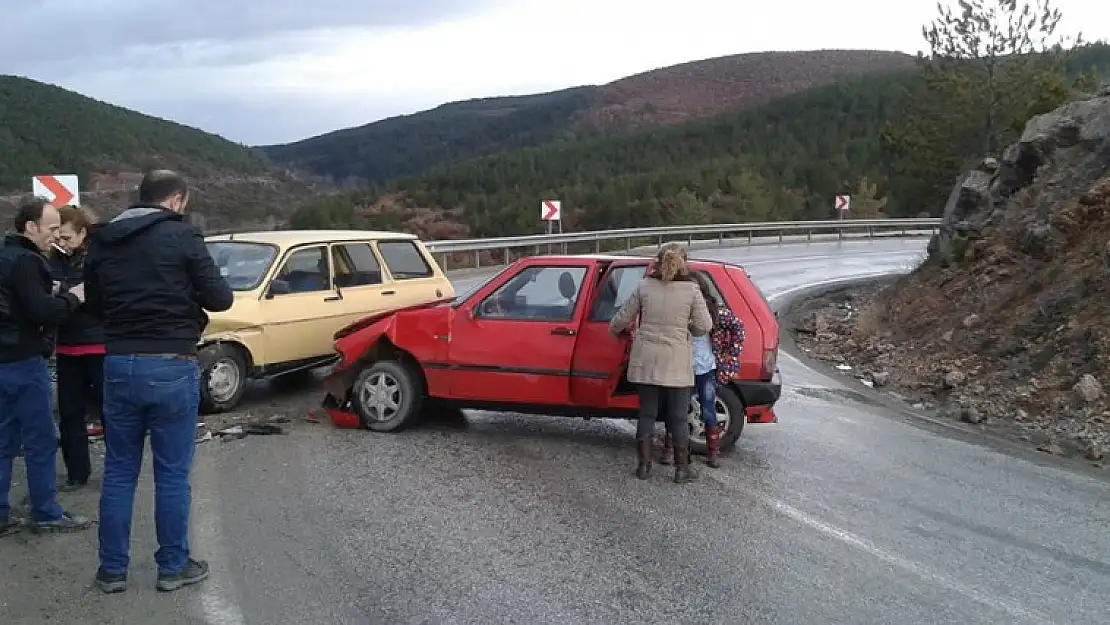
[{"x": 844, "y": 512}]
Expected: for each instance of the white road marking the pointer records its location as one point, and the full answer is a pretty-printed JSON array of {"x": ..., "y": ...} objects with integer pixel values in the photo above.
[
  {"x": 217, "y": 596},
  {"x": 1012, "y": 609}
]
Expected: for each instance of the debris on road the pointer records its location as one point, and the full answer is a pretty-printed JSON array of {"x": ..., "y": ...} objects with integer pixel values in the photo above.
[
  {"x": 13, "y": 525},
  {"x": 263, "y": 429},
  {"x": 203, "y": 434},
  {"x": 311, "y": 417},
  {"x": 254, "y": 428},
  {"x": 232, "y": 433}
]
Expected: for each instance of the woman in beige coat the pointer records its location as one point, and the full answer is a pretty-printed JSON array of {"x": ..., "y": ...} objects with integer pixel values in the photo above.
[{"x": 669, "y": 307}]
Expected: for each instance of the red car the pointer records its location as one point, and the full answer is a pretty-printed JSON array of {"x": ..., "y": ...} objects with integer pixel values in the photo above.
[{"x": 535, "y": 339}]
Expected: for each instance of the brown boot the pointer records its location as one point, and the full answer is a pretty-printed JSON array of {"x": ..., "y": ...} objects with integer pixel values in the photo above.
[
  {"x": 713, "y": 446},
  {"x": 668, "y": 450},
  {"x": 643, "y": 456},
  {"x": 683, "y": 472}
]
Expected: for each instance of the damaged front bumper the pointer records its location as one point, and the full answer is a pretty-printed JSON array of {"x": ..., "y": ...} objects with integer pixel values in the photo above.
[{"x": 340, "y": 411}]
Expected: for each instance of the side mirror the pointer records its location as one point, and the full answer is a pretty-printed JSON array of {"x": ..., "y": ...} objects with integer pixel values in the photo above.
[{"x": 278, "y": 287}]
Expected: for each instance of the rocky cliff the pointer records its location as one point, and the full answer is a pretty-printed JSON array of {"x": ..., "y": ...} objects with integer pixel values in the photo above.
[{"x": 1008, "y": 323}]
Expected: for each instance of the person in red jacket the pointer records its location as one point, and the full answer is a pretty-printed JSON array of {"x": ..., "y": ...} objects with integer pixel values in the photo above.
[{"x": 79, "y": 349}]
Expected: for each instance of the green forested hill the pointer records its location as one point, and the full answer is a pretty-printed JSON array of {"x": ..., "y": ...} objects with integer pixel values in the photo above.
[
  {"x": 783, "y": 160},
  {"x": 410, "y": 144},
  {"x": 47, "y": 129},
  {"x": 44, "y": 128},
  {"x": 401, "y": 146}
]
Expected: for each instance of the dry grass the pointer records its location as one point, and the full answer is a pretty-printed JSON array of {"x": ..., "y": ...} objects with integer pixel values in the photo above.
[{"x": 680, "y": 93}]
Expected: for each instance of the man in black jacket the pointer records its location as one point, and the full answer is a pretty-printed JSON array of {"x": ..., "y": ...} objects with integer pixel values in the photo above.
[
  {"x": 149, "y": 277},
  {"x": 29, "y": 311}
]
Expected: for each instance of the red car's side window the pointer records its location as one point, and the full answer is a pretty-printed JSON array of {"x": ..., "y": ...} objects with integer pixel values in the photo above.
[
  {"x": 538, "y": 293},
  {"x": 617, "y": 286}
]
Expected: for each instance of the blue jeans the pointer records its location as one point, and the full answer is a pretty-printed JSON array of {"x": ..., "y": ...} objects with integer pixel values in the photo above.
[
  {"x": 706, "y": 386},
  {"x": 26, "y": 416},
  {"x": 156, "y": 395}
]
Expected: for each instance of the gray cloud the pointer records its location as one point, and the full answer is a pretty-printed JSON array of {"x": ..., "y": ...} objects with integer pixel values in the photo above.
[
  {"x": 73, "y": 35},
  {"x": 183, "y": 59}
]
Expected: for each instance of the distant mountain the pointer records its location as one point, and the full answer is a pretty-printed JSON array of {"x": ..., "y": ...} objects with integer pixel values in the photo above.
[
  {"x": 47, "y": 129},
  {"x": 412, "y": 144},
  {"x": 785, "y": 158},
  {"x": 407, "y": 144}
]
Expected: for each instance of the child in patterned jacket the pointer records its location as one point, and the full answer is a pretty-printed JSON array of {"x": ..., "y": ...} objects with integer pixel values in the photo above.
[{"x": 716, "y": 361}]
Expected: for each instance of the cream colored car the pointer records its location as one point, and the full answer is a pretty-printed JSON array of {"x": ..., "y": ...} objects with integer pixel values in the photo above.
[{"x": 294, "y": 290}]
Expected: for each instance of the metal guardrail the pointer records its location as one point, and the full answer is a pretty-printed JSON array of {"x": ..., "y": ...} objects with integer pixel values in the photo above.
[{"x": 842, "y": 227}]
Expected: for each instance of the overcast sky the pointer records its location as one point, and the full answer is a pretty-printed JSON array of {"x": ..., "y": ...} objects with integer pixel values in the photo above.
[{"x": 283, "y": 70}]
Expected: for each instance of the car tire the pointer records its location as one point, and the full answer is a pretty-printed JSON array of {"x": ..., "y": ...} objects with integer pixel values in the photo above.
[
  {"x": 388, "y": 396},
  {"x": 729, "y": 399},
  {"x": 223, "y": 377}
]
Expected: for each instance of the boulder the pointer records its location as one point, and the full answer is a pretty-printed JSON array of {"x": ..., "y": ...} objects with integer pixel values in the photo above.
[{"x": 1064, "y": 149}]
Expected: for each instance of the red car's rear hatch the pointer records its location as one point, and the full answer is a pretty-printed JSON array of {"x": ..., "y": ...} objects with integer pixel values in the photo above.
[
  {"x": 370, "y": 320},
  {"x": 764, "y": 316}
]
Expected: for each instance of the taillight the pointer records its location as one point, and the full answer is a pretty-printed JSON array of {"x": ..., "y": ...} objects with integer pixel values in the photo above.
[{"x": 770, "y": 360}]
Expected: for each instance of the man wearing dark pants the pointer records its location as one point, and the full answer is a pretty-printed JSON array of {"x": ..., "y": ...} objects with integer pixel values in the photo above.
[
  {"x": 149, "y": 277},
  {"x": 29, "y": 311}
]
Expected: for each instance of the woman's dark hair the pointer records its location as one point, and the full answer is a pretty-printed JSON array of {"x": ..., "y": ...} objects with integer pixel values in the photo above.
[
  {"x": 79, "y": 218},
  {"x": 30, "y": 211},
  {"x": 707, "y": 293}
]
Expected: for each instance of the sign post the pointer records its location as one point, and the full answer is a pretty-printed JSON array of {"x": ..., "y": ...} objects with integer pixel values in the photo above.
[
  {"x": 842, "y": 205},
  {"x": 58, "y": 189},
  {"x": 551, "y": 211}
]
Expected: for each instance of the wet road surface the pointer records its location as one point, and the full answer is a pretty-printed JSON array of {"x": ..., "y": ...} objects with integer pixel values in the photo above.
[{"x": 842, "y": 513}]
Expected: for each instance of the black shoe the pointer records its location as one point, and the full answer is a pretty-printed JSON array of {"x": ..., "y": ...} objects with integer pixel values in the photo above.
[
  {"x": 195, "y": 571},
  {"x": 64, "y": 523},
  {"x": 110, "y": 583},
  {"x": 71, "y": 485}
]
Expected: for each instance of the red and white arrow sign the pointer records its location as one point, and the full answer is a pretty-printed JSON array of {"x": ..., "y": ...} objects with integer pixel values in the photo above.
[
  {"x": 843, "y": 202},
  {"x": 551, "y": 210},
  {"x": 59, "y": 189}
]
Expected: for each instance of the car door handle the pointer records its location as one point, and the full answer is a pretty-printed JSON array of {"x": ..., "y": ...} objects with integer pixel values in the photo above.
[
  {"x": 563, "y": 332},
  {"x": 333, "y": 298},
  {"x": 388, "y": 292}
]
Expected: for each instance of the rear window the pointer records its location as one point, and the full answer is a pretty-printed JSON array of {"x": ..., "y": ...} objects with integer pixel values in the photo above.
[
  {"x": 716, "y": 290},
  {"x": 404, "y": 260}
]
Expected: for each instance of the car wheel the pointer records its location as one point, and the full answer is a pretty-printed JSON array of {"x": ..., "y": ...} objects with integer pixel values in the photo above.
[
  {"x": 387, "y": 396},
  {"x": 223, "y": 377},
  {"x": 730, "y": 416}
]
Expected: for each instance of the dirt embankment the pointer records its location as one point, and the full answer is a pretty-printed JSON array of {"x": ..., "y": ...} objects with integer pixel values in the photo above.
[{"x": 1008, "y": 323}]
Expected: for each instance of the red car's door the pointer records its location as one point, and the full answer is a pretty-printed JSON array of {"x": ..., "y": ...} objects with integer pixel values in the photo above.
[
  {"x": 515, "y": 345},
  {"x": 599, "y": 358}
]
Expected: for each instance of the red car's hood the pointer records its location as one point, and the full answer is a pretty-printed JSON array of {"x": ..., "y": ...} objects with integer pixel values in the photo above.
[{"x": 370, "y": 320}]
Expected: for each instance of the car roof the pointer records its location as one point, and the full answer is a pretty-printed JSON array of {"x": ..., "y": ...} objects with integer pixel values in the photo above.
[
  {"x": 556, "y": 258},
  {"x": 287, "y": 238}
]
